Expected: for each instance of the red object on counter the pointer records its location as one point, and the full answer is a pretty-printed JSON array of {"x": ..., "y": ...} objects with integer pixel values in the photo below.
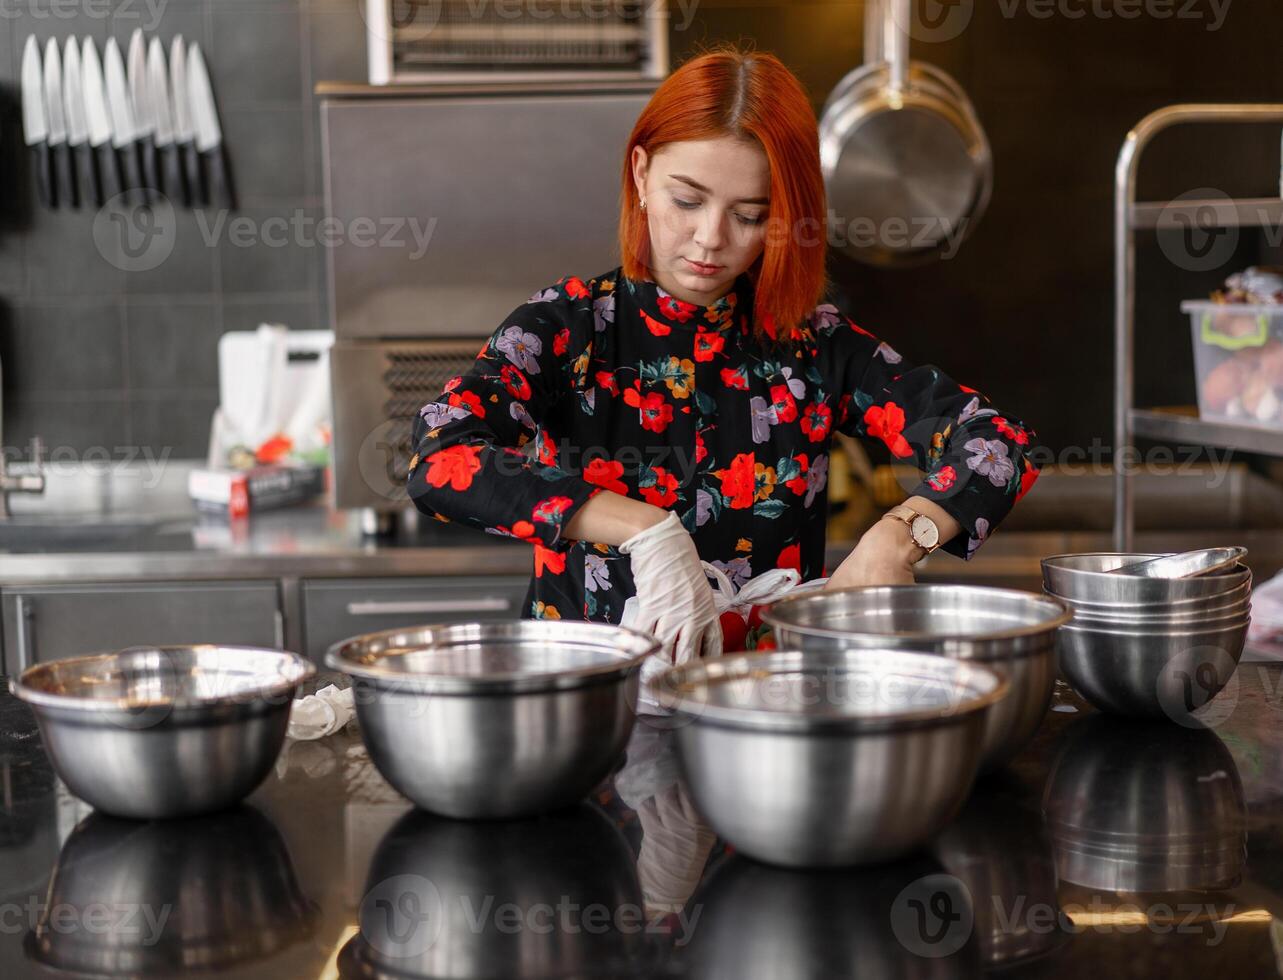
[{"x": 734, "y": 632}]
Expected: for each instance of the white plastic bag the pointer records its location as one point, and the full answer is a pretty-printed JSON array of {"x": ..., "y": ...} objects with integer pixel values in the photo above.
[
  {"x": 758, "y": 591},
  {"x": 320, "y": 714}
]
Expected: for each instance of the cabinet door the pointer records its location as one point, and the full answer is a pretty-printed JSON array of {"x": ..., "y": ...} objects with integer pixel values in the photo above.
[
  {"x": 335, "y": 609},
  {"x": 43, "y": 623}
]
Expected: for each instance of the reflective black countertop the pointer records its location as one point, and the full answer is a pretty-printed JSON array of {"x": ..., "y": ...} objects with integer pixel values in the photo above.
[{"x": 1108, "y": 849}]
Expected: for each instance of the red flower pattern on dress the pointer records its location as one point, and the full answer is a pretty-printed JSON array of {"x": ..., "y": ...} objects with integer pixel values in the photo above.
[
  {"x": 515, "y": 382},
  {"x": 790, "y": 557},
  {"x": 561, "y": 341},
  {"x": 549, "y": 560},
  {"x": 798, "y": 483},
  {"x": 1014, "y": 433},
  {"x": 1027, "y": 479},
  {"x": 676, "y": 309},
  {"x": 886, "y": 422},
  {"x": 736, "y": 378},
  {"x": 817, "y": 417},
  {"x": 470, "y": 400},
  {"x": 708, "y": 345},
  {"x": 550, "y": 510},
  {"x": 785, "y": 404},
  {"x": 656, "y": 413},
  {"x": 454, "y": 465},
  {"x": 575, "y": 288},
  {"x": 943, "y": 479},
  {"x": 664, "y": 491},
  {"x": 605, "y": 473},
  {"x": 607, "y": 380},
  {"x": 739, "y": 482},
  {"x": 654, "y": 326}
]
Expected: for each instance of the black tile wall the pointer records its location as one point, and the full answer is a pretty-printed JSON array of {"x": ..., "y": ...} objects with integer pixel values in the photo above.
[
  {"x": 108, "y": 339},
  {"x": 109, "y": 335}
]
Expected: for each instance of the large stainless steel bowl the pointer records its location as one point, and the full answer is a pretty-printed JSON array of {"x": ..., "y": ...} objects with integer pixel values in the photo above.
[
  {"x": 1150, "y": 673},
  {"x": 1183, "y": 607},
  {"x": 1007, "y": 629},
  {"x": 1178, "y": 621},
  {"x": 495, "y": 719},
  {"x": 156, "y": 732},
  {"x": 818, "y": 758},
  {"x": 1085, "y": 577}
]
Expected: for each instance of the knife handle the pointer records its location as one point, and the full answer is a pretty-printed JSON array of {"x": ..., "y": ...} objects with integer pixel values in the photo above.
[
  {"x": 64, "y": 180},
  {"x": 131, "y": 173},
  {"x": 220, "y": 181},
  {"x": 87, "y": 174},
  {"x": 191, "y": 166},
  {"x": 108, "y": 171},
  {"x": 147, "y": 150},
  {"x": 172, "y": 181},
  {"x": 44, "y": 183}
]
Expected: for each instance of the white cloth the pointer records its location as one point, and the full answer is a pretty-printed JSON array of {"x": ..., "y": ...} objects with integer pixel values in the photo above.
[
  {"x": 674, "y": 600},
  {"x": 321, "y": 714}
]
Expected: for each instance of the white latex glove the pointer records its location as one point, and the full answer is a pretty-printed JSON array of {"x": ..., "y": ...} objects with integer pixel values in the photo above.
[{"x": 675, "y": 601}]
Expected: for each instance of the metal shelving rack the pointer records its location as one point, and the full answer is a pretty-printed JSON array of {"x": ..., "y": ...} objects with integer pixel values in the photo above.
[{"x": 1131, "y": 216}]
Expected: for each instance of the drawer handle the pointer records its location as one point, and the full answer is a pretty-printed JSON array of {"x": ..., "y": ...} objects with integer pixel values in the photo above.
[{"x": 429, "y": 606}]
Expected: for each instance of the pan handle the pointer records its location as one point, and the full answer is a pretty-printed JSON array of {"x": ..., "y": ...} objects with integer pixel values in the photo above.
[{"x": 887, "y": 24}]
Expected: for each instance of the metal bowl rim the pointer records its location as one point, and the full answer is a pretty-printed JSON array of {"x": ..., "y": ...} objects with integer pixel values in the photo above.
[
  {"x": 1175, "y": 605},
  {"x": 22, "y": 688},
  {"x": 662, "y": 686},
  {"x": 770, "y": 617},
  {"x": 337, "y": 658},
  {"x": 1241, "y": 625},
  {"x": 1231, "y": 572}
]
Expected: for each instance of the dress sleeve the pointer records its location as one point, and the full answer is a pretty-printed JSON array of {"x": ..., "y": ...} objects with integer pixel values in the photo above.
[
  {"x": 975, "y": 458},
  {"x": 470, "y": 461}
]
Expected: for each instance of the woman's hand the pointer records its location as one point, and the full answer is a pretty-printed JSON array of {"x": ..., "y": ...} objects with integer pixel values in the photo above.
[
  {"x": 884, "y": 556},
  {"x": 675, "y": 599}
]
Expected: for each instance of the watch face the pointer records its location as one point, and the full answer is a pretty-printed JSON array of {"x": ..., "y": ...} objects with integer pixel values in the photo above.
[{"x": 925, "y": 532}]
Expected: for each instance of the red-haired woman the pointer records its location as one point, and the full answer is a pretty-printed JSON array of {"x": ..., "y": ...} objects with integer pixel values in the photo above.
[{"x": 682, "y": 405}]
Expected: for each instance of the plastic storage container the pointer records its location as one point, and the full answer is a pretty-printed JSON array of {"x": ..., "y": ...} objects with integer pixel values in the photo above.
[{"x": 1238, "y": 360}]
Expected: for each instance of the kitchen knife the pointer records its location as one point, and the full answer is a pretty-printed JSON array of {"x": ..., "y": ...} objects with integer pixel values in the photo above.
[
  {"x": 35, "y": 125},
  {"x": 64, "y": 185},
  {"x": 140, "y": 101},
  {"x": 123, "y": 129},
  {"x": 209, "y": 137},
  {"x": 169, "y": 165},
  {"x": 99, "y": 123},
  {"x": 184, "y": 132},
  {"x": 73, "y": 101}
]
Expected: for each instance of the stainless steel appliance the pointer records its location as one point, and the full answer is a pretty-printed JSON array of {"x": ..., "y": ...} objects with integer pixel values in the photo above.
[{"x": 447, "y": 207}]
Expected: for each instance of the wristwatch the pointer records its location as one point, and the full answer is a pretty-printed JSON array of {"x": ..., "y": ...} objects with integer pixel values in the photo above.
[{"x": 922, "y": 529}]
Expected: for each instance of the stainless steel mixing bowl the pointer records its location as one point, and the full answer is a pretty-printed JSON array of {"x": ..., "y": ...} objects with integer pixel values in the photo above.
[
  {"x": 1211, "y": 605},
  {"x": 1085, "y": 577},
  {"x": 819, "y": 758},
  {"x": 1150, "y": 673},
  {"x": 154, "y": 732},
  {"x": 495, "y": 719},
  {"x": 1007, "y": 629},
  {"x": 1174, "y": 621}
]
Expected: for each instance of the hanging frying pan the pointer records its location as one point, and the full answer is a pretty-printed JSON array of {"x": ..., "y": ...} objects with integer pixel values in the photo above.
[{"x": 906, "y": 162}]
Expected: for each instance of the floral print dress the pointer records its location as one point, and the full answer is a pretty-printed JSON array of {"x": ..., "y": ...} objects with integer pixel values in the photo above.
[{"x": 612, "y": 384}]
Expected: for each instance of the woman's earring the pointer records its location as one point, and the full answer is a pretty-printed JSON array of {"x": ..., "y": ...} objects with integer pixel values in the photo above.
[{"x": 643, "y": 204}]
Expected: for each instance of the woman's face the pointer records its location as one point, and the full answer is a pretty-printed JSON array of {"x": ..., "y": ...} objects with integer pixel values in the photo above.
[{"x": 706, "y": 207}]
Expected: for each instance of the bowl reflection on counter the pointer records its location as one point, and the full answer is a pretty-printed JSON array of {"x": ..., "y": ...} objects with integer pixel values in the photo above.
[
  {"x": 904, "y": 920},
  {"x": 998, "y": 847},
  {"x": 204, "y": 893},
  {"x": 553, "y": 896},
  {"x": 1138, "y": 808}
]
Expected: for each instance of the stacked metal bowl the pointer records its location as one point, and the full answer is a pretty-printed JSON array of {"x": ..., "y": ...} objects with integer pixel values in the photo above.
[{"x": 1148, "y": 647}]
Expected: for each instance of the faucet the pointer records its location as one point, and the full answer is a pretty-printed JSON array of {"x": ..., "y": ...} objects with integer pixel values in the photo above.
[{"x": 23, "y": 482}]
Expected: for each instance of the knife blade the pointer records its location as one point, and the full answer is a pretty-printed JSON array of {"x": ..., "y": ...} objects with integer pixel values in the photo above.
[
  {"x": 73, "y": 99},
  {"x": 184, "y": 133},
  {"x": 141, "y": 103},
  {"x": 209, "y": 136},
  {"x": 35, "y": 125},
  {"x": 99, "y": 124},
  {"x": 124, "y": 131},
  {"x": 64, "y": 186},
  {"x": 170, "y": 166}
]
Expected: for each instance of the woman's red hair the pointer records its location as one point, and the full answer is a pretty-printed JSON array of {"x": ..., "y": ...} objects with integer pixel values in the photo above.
[{"x": 746, "y": 95}]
